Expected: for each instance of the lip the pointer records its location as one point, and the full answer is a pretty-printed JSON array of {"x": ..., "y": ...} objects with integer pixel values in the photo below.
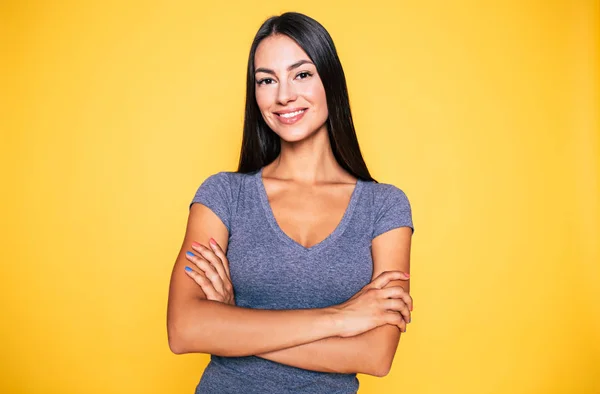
[
  {"x": 292, "y": 120},
  {"x": 287, "y": 111}
]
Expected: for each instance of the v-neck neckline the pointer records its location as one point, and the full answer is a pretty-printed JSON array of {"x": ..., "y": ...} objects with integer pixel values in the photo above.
[{"x": 339, "y": 229}]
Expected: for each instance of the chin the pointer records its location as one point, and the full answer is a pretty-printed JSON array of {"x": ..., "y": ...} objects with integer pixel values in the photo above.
[{"x": 294, "y": 135}]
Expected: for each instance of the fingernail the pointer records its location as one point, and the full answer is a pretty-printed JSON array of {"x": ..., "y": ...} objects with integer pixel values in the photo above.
[
  {"x": 188, "y": 269},
  {"x": 407, "y": 275},
  {"x": 213, "y": 242},
  {"x": 190, "y": 254},
  {"x": 195, "y": 244}
]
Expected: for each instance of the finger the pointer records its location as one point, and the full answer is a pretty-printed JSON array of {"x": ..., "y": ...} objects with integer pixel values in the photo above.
[
  {"x": 397, "y": 292},
  {"x": 408, "y": 300},
  {"x": 395, "y": 319},
  {"x": 386, "y": 277},
  {"x": 203, "y": 282},
  {"x": 398, "y": 305},
  {"x": 212, "y": 258},
  {"x": 220, "y": 254},
  {"x": 393, "y": 292},
  {"x": 209, "y": 270}
]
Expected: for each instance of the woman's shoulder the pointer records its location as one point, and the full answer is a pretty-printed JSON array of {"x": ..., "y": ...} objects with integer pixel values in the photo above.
[
  {"x": 220, "y": 191},
  {"x": 382, "y": 193},
  {"x": 227, "y": 178},
  {"x": 390, "y": 207}
]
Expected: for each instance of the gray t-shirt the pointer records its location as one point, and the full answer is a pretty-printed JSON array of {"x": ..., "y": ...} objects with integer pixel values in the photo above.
[{"x": 269, "y": 270}]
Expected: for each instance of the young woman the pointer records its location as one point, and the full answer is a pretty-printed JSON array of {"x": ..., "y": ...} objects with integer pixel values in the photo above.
[{"x": 293, "y": 273}]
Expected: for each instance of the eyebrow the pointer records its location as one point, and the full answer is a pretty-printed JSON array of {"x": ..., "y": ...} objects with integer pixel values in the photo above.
[{"x": 293, "y": 66}]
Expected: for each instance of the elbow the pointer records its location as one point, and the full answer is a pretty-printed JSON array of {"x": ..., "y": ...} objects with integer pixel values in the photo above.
[
  {"x": 177, "y": 339},
  {"x": 186, "y": 333},
  {"x": 381, "y": 369},
  {"x": 381, "y": 361},
  {"x": 377, "y": 364},
  {"x": 176, "y": 347},
  {"x": 183, "y": 340},
  {"x": 180, "y": 343},
  {"x": 375, "y": 368},
  {"x": 383, "y": 353}
]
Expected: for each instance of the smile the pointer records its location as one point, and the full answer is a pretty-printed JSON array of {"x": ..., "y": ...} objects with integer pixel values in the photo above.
[
  {"x": 290, "y": 117},
  {"x": 291, "y": 114}
]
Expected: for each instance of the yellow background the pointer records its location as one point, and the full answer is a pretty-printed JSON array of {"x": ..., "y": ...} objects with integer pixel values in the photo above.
[{"x": 484, "y": 113}]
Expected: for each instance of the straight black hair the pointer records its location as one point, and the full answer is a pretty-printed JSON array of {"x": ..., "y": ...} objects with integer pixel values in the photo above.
[{"x": 260, "y": 145}]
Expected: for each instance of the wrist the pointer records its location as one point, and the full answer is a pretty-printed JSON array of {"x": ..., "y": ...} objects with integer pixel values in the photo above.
[{"x": 333, "y": 320}]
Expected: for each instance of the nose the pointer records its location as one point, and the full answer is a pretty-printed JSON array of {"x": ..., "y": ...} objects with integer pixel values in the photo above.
[{"x": 286, "y": 93}]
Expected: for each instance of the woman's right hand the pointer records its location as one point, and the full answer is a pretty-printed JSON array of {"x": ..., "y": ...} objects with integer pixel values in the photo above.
[{"x": 374, "y": 306}]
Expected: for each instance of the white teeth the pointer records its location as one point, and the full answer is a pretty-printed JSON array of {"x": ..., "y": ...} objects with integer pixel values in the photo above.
[{"x": 291, "y": 114}]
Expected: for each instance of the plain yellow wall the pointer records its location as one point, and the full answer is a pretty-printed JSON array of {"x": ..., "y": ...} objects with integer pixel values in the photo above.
[{"x": 484, "y": 113}]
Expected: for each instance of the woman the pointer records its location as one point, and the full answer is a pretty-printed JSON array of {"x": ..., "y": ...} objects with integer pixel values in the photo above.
[{"x": 293, "y": 273}]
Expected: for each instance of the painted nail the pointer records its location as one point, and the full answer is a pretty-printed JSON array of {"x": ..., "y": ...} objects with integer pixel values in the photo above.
[
  {"x": 190, "y": 254},
  {"x": 213, "y": 242},
  {"x": 195, "y": 244},
  {"x": 188, "y": 269}
]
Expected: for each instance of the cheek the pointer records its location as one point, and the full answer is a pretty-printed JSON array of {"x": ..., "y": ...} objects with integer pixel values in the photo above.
[
  {"x": 264, "y": 99},
  {"x": 323, "y": 100},
  {"x": 320, "y": 101},
  {"x": 316, "y": 95}
]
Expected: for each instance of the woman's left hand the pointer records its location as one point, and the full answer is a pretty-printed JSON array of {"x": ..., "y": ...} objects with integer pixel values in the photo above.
[{"x": 214, "y": 277}]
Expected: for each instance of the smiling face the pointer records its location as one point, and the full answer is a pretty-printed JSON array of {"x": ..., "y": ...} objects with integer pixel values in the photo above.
[{"x": 289, "y": 92}]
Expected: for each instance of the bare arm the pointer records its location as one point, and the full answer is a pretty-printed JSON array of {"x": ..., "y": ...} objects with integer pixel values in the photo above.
[
  {"x": 198, "y": 325},
  {"x": 195, "y": 324},
  {"x": 371, "y": 352},
  {"x": 226, "y": 330}
]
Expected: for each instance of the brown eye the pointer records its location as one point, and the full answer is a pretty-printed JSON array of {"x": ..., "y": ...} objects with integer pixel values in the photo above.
[
  {"x": 265, "y": 81},
  {"x": 303, "y": 75}
]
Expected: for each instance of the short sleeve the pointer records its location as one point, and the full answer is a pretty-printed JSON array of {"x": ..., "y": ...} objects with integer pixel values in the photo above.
[
  {"x": 215, "y": 193},
  {"x": 394, "y": 212}
]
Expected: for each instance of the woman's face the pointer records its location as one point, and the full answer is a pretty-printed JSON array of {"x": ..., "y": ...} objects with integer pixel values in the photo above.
[{"x": 289, "y": 92}]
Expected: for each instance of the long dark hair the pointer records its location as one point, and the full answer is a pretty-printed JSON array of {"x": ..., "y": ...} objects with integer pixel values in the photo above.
[{"x": 260, "y": 145}]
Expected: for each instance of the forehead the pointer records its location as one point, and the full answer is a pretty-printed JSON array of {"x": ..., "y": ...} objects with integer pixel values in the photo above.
[{"x": 278, "y": 52}]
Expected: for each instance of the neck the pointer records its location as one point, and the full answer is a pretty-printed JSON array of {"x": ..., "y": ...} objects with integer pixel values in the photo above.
[{"x": 309, "y": 161}]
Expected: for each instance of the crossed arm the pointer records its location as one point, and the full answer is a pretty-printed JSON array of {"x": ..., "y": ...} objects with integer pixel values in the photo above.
[{"x": 314, "y": 339}]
